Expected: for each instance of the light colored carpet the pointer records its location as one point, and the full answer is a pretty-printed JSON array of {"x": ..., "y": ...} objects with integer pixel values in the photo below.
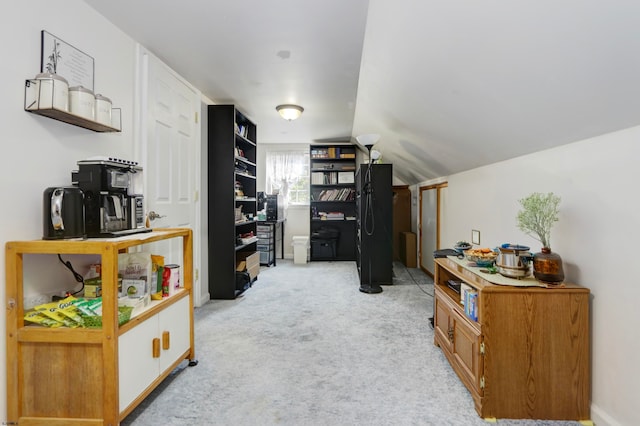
[{"x": 304, "y": 347}]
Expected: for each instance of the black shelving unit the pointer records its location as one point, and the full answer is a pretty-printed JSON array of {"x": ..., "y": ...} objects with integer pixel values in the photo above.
[
  {"x": 374, "y": 254},
  {"x": 231, "y": 185},
  {"x": 333, "y": 209}
]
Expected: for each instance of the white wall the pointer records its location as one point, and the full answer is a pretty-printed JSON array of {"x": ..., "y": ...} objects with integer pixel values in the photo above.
[
  {"x": 598, "y": 229},
  {"x": 39, "y": 152}
]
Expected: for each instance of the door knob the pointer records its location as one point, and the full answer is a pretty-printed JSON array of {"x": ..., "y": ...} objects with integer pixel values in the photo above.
[{"x": 153, "y": 215}]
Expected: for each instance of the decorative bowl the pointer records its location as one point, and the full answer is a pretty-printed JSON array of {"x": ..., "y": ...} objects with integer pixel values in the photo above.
[
  {"x": 481, "y": 258},
  {"x": 460, "y": 248}
]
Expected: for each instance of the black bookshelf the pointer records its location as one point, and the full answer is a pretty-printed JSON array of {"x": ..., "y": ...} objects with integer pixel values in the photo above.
[
  {"x": 231, "y": 161},
  {"x": 333, "y": 209}
]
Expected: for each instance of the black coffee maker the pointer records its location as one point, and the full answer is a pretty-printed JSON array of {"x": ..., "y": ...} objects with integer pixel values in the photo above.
[
  {"x": 114, "y": 205},
  {"x": 63, "y": 213}
]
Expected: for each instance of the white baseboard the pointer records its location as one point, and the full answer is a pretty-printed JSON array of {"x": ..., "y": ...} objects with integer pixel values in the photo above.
[
  {"x": 199, "y": 301},
  {"x": 601, "y": 418}
]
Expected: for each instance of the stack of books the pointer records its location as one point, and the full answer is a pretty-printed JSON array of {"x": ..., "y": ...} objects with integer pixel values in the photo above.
[
  {"x": 336, "y": 194},
  {"x": 335, "y": 216}
]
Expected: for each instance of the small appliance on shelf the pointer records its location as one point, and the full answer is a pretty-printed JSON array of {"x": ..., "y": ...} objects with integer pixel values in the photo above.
[{"x": 113, "y": 200}]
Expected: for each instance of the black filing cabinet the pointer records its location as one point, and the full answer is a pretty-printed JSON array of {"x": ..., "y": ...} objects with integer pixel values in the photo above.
[{"x": 374, "y": 244}]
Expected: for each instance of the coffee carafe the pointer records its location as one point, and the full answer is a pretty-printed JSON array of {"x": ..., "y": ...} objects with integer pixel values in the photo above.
[{"x": 112, "y": 206}]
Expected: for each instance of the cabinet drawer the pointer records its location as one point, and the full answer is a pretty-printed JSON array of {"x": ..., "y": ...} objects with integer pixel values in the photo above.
[
  {"x": 264, "y": 228},
  {"x": 264, "y": 246},
  {"x": 266, "y": 257},
  {"x": 265, "y": 235}
]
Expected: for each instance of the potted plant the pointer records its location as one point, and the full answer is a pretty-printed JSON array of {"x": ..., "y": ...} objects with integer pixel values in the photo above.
[{"x": 539, "y": 213}]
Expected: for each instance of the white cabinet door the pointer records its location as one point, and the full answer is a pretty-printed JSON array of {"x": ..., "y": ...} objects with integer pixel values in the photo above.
[
  {"x": 175, "y": 321},
  {"x": 136, "y": 364},
  {"x": 137, "y": 367}
]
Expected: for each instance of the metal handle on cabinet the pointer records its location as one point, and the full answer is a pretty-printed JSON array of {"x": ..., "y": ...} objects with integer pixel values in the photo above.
[{"x": 450, "y": 333}]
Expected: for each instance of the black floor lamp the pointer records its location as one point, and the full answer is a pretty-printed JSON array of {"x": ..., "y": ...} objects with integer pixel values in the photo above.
[{"x": 368, "y": 141}]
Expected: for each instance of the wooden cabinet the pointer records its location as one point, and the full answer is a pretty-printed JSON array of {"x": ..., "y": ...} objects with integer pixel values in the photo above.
[
  {"x": 333, "y": 211},
  {"x": 81, "y": 376},
  {"x": 526, "y": 356},
  {"x": 232, "y": 196}
]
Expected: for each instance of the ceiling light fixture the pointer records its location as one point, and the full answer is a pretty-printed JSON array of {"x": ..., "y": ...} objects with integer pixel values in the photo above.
[{"x": 289, "y": 111}]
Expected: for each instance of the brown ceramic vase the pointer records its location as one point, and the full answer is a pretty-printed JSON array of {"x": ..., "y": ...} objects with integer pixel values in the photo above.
[{"x": 547, "y": 266}]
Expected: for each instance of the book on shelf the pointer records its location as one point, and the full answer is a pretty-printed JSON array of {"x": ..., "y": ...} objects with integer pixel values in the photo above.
[
  {"x": 471, "y": 304},
  {"x": 317, "y": 178},
  {"x": 335, "y": 194},
  {"x": 242, "y": 130},
  {"x": 333, "y": 152},
  {"x": 329, "y": 178}
]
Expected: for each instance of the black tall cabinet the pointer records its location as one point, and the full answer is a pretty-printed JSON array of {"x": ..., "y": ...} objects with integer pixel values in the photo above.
[
  {"x": 231, "y": 161},
  {"x": 375, "y": 224}
]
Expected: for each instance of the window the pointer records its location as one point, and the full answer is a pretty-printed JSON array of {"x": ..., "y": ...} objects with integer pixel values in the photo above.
[{"x": 288, "y": 173}]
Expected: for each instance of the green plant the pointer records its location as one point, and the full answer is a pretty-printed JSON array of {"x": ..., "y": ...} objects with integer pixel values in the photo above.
[{"x": 538, "y": 214}]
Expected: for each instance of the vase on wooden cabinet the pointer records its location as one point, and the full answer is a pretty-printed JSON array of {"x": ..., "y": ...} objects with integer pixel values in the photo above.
[{"x": 547, "y": 266}]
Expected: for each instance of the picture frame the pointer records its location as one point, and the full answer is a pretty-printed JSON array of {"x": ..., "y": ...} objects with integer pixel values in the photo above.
[
  {"x": 475, "y": 237},
  {"x": 59, "y": 57},
  {"x": 346, "y": 177}
]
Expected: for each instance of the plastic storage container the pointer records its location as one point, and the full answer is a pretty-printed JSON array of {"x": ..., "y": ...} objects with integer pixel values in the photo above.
[{"x": 300, "y": 247}]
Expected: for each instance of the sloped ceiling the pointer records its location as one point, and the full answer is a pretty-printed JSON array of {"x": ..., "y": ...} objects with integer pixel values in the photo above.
[{"x": 449, "y": 85}]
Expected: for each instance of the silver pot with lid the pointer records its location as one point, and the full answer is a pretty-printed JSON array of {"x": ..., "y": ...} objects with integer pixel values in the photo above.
[{"x": 514, "y": 261}]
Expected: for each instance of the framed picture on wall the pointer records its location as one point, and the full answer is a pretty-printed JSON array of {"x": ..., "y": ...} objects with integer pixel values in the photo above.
[
  {"x": 59, "y": 57},
  {"x": 475, "y": 237}
]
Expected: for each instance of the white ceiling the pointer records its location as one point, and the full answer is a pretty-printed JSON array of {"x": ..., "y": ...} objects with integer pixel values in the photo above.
[{"x": 449, "y": 85}]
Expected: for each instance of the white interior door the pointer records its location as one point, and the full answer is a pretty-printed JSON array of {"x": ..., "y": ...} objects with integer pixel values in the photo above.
[
  {"x": 170, "y": 140},
  {"x": 428, "y": 228}
]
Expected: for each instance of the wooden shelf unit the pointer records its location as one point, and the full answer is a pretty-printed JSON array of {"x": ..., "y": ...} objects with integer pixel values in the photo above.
[
  {"x": 526, "y": 356},
  {"x": 68, "y": 117},
  {"x": 81, "y": 376}
]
